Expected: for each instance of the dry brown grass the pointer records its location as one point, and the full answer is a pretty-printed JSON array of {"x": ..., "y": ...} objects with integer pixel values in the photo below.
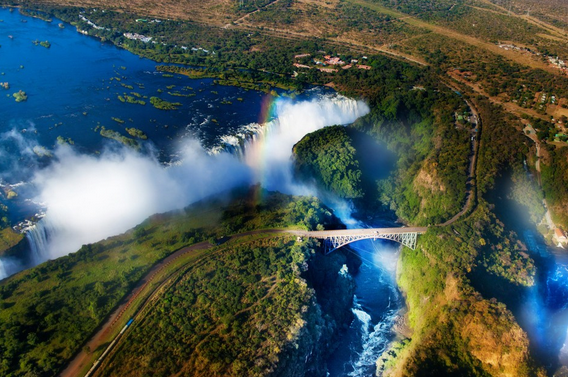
[
  {"x": 331, "y": 4},
  {"x": 515, "y": 56},
  {"x": 213, "y": 12}
]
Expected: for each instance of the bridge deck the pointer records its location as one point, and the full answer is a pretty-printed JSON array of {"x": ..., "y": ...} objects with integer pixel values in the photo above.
[
  {"x": 334, "y": 239},
  {"x": 323, "y": 234}
]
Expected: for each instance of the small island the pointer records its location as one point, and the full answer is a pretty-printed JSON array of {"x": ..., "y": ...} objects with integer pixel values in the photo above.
[
  {"x": 63, "y": 141},
  {"x": 159, "y": 103},
  {"x": 135, "y": 132},
  {"x": 20, "y": 96},
  {"x": 45, "y": 44},
  {"x": 5, "y": 85},
  {"x": 111, "y": 134},
  {"x": 132, "y": 99}
]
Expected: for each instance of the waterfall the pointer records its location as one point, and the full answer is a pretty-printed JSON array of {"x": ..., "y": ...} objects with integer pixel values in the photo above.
[
  {"x": 243, "y": 139},
  {"x": 292, "y": 121},
  {"x": 90, "y": 198},
  {"x": 38, "y": 237},
  {"x": 3, "y": 272},
  {"x": 266, "y": 148}
]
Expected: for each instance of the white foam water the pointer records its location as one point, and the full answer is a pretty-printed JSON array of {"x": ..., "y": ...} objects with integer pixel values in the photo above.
[
  {"x": 376, "y": 308},
  {"x": 267, "y": 148}
]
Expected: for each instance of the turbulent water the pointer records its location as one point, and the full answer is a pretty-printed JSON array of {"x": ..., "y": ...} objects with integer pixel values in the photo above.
[
  {"x": 376, "y": 308},
  {"x": 541, "y": 310}
]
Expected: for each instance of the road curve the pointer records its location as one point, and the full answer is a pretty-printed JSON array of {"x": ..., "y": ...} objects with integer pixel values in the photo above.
[
  {"x": 101, "y": 336},
  {"x": 475, "y": 146}
]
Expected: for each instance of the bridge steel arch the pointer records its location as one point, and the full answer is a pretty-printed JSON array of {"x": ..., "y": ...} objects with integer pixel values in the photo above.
[
  {"x": 335, "y": 239},
  {"x": 335, "y": 242}
]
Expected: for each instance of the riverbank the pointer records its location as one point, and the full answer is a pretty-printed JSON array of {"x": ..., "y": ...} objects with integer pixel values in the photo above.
[{"x": 235, "y": 78}]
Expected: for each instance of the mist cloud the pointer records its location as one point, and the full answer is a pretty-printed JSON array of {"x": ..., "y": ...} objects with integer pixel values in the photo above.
[
  {"x": 19, "y": 152},
  {"x": 89, "y": 198}
]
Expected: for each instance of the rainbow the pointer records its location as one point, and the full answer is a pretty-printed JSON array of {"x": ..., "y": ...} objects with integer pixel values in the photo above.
[
  {"x": 267, "y": 109},
  {"x": 256, "y": 158}
]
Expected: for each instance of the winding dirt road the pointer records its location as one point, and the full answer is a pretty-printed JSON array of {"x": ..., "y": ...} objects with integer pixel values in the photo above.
[{"x": 101, "y": 336}]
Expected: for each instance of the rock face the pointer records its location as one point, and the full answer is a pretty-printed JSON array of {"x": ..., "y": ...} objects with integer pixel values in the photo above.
[
  {"x": 12, "y": 244},
  {"x": 327, "y": 316}
]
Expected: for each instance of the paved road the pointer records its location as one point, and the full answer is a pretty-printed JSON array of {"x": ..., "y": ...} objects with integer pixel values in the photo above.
[{"x": 471, "y": 179}]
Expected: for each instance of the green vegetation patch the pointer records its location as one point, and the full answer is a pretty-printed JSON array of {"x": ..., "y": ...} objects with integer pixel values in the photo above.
[
  {"x": 62, "y": 140},
  {"x": 328, "y": 156},
  {"x": 9, "y": 239},
  {"x": 131, "y": 99},
  {"x": 135, "y": 132},
  {"x": 114, "y": 135},
  {"x": 161, "y": 104},
  {"x": 554, "y": 174},
  {"x": 178, "y": 94},
  {"x": 209, "y": 320},
  {"x": 20, "y": 96}
]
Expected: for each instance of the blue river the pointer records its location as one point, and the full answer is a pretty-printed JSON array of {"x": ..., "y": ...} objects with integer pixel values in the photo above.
[{"x": 73, "y": 89}]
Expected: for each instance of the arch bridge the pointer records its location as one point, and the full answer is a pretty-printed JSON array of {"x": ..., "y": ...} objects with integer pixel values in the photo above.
[{"x": 334, "y": 239}]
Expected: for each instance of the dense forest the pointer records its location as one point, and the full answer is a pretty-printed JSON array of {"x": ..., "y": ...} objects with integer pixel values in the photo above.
[
  {"x": 245, "y": 311},
  {"x": 328, "y": 157}
]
